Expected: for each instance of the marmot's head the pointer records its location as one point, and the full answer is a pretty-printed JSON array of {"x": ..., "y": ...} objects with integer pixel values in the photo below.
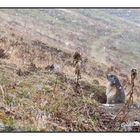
[{"x": 113, "y": 79}]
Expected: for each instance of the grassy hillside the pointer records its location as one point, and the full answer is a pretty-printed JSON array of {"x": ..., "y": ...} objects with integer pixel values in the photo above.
[
  {"x": 36, "y": 98},
  {"x": 90, "y": 29}
]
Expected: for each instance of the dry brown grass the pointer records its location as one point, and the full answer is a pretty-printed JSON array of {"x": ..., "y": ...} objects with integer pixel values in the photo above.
[{"x": 46, "y": 100}]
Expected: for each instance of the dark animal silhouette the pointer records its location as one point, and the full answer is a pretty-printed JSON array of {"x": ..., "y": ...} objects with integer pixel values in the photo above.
[{"x": 114, "y": 92}]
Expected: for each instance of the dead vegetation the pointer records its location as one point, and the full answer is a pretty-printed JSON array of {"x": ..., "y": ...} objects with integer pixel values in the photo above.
[
  {"x": 41, "y": 100},
  {"x": 39, "y": 92}
]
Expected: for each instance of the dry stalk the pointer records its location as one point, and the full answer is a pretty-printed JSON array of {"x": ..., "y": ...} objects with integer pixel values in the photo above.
[{"x": 77, "y": 64}]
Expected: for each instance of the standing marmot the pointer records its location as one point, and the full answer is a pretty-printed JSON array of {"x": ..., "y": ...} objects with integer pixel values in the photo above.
[{"x": 114, "y": 92}]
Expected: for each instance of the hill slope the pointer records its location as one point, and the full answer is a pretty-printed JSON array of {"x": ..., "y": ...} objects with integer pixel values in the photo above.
[
  {"x": 117, "y": 31},
  {"x": 39, "y": 99}
]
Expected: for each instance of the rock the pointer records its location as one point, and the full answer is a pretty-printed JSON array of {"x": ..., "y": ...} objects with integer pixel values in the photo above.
[{"x": 112, "y": 108}]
